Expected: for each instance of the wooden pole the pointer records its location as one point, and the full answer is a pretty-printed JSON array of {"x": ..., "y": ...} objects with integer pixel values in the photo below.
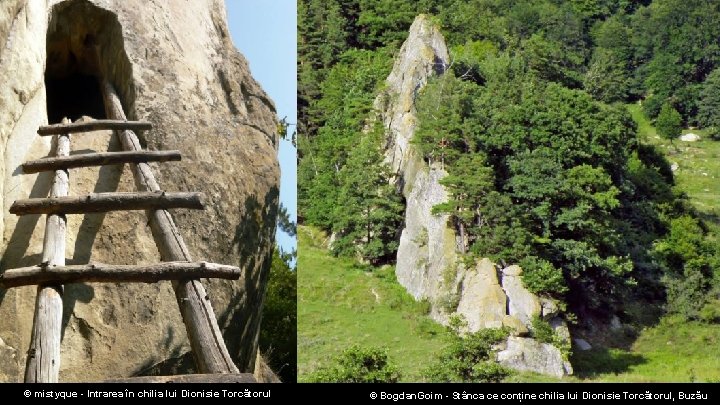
[
  {"x": 96, "y": 125},
  {"x": 99, "y": 159},
  {"x": 43, "y": 357},
  {"x": 104, "y": 202},
  {"x": 208, "y": 347},
  {"x": 116, "y": 273}
]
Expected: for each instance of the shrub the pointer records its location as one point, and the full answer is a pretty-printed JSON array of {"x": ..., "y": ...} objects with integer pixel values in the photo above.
[
  {"x": 542, "y": 331},
  {"x": 468, "y": 359},
  {"x": 540, "y": 276},
  {"x": 359, "y": 365}
]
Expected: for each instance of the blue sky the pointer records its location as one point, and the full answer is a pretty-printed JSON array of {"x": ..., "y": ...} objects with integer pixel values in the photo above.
[{"x": 265, "y": 31}]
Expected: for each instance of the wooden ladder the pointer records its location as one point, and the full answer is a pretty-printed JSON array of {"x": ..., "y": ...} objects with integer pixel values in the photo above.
[{"x": 43, "y": 360}]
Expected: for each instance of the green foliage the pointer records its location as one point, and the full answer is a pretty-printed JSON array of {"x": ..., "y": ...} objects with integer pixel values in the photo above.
[
  {"x": 285, "y": 223},
  {"x": 553, "y": 61},
  {"x": 541, "y": 277},
  {"x": 534, "y": 169},
  {"x": 359, "y": 365},
  {"x": 541, "y": 330},
  {"x": 709, "y": 108},
  {"x": 710, "y": 312},
  {"x": 669, "y": 122},
  {"x": 468, "y": 57},
  {"x": 606, "y": 77},
  {"x": 278, "y": 334},
  {"x": 469, "y": 359},
  {"x": 368, "y": 210},
  {"x": 688, "y": 257},
  {"x": 351, "y": 84},
  {"x": 537, "y": 170}
]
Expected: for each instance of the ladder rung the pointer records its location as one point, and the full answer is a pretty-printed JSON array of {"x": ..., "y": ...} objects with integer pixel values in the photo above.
[
  {"x": 114, "y": 273},
  {"x": 99, "y": 159},
  {"x": 104, "y": 202},
  {"x": 96, "y": 125},
  {"x": 188, "y": 378}
]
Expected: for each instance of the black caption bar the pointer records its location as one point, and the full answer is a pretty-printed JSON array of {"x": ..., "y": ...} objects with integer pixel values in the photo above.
[{"x": 365, "y": 393}]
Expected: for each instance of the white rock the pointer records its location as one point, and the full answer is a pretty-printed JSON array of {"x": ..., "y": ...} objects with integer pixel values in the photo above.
[
  {"x": 690, "y": 137},
  {"x": 674, "y": 167},
  {"x": 525, "y": 354}
]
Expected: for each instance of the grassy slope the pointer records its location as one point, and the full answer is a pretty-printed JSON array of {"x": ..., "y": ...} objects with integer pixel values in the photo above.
[
  {"x": 340, "y": 305},
  {"x": 337, "y": 307}
]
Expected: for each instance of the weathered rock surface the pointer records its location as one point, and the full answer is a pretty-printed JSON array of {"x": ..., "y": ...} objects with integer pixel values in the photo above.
[
  {"x": 525, "y": 354},
  {"x": 522, "y": 304},
  {"x": 427, "y": 244},
  {"x": 482, "y": 301},
  {"x": 197, "y": 90},
  {"x": 517, "y": 328}
]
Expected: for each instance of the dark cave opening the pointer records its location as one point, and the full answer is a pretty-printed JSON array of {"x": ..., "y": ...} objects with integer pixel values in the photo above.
[{"x": 73, "y": 96}]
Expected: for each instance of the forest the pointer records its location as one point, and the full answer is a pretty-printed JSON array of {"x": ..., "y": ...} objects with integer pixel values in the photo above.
[{"x": 546, "y": 166}]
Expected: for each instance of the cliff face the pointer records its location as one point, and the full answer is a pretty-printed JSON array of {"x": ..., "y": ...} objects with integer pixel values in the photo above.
[
  {"x": 177, "y": 68},
  {"x": 427, "y": 244},
  {"x": 428, "y": 258}
]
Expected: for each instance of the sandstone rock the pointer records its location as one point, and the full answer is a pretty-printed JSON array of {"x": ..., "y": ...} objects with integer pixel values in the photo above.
[
  {"x": 197, "y": 90},
  {"x": 525, "y": 354},
  {"x": 517, "y": 328},
  {"x": 482, "y": 300},
  {"x": 582, "y": 344},
  {"x": 522, "y": 304}
]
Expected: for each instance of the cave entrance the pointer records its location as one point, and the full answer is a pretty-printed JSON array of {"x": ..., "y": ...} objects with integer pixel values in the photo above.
[{"x": 84, "y": 46}]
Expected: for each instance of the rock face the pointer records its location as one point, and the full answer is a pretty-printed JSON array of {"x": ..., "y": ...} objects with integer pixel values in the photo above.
[
  {"x": 482, "y": 301},
  {"x": 428, "y": 264},
  {"x": 427, "y": 244},
  {"x": 523, "y": 304},
  {"x": 526, "y": 354},
  {"x": 197, "y": 90}
]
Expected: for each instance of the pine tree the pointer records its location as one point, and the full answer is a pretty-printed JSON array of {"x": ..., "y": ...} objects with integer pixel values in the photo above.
[{"x": 369, "y": 210}]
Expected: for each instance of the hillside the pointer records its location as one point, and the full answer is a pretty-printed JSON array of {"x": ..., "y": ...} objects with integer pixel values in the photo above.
[
  {"x": 521, "y": 169},
  {"x": 341, "y": 304},
  {"x": 338, "y": 308}
]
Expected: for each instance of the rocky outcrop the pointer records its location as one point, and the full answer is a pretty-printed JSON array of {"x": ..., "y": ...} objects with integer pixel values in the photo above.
[
  {"x": 525, "y": 354},
  {"x": 522, "y": 304},
  {"x": 428, "y": 264},
  {"x": 197, "y": 90},
  {"x": 483, "y": 303},
  {"x": 427, "y": 244},
  {"x": 489, "y": 302}
]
